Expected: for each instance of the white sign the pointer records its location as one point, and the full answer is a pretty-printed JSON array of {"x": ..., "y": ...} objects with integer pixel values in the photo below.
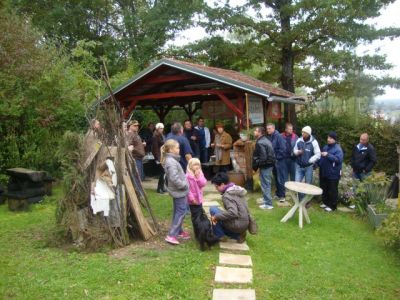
[{"x": 256, "y": 110}]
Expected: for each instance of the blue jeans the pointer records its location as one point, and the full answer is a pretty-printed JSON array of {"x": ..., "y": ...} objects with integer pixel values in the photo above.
[
  {"x": 361, "y": 176},
  {"x": 290, "y": 168},
  {"x": 265, "y": 181},
  {"x": 304, "y": 173},
  {"x": 178, "y": 216},
  {"x": 139, "y": 166},
  {"x": 280, "y": 174},
  {"x": 219, "y": 229}
]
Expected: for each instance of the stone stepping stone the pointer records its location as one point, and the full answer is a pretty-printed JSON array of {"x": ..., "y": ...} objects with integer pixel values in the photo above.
[
  {"x": 235, "y": 259},
  {"x": 234, "y": 294},
  {"x": 284, "y": 204},
  {"x": 260, "y": 201},
  {"x": 211, "y": 203},
  {"x": 233, "y": 275},
  {"x": 345, "y": 209},
  {"x": 234, "y": 246},
  {"x": 211, "y": 197}
]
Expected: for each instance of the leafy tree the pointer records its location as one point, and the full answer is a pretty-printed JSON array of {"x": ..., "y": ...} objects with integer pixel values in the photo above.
[
  {"x": 122, "y": 30},
  {"x": 308, "y": 43},
  {"x": 43, "y": 93}
]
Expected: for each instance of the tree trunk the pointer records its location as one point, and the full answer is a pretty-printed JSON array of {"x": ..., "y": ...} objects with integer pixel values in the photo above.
[{"x": 287, "y": 59}]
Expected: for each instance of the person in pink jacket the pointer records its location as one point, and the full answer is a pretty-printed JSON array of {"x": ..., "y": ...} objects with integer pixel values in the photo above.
[{"x": 197, "y": 182}]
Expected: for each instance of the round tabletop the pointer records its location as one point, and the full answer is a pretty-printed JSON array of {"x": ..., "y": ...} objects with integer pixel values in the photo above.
[{"x": 304, "y": 188}]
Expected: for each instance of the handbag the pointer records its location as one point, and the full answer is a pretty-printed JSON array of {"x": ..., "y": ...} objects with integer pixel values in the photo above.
[{"x": 253, "y": 227}]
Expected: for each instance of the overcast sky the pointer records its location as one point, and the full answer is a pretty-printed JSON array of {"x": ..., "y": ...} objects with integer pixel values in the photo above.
[{"x": 390, "y": 17}]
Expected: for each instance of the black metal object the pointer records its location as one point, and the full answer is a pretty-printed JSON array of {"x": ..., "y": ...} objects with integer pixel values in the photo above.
[{"x": 27, "y": 186}]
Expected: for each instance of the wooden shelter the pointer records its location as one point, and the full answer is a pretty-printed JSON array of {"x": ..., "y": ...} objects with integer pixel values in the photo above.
[{"x": 169, "y": 83}]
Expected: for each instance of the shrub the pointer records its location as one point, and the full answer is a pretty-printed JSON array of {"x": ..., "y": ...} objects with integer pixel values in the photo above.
[
  {"x": 390, "y": 230},
  {"x": 383, "y": 135}
]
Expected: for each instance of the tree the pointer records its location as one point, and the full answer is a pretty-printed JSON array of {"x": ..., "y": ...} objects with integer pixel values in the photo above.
[
  {"x": 123, "y": 30},
  {"x": 308, "y": 43}
]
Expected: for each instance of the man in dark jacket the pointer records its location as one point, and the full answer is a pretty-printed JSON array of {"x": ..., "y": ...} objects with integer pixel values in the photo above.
[
  {"x": 363, "y": 158},
  {"x": 330, "y": 166},
  {"x": 279, "y": 169},
  {"x": 234, "y": 220},
  {"x": 264, "y": 159},
  {"x": 156, "y": 143},
  {"x": 290, "y": 160}
]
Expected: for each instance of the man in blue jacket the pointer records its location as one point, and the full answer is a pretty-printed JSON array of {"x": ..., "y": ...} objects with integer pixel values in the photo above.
[
  {"x": 330, "y": 166},
  {"x": 279, "y": 170}
]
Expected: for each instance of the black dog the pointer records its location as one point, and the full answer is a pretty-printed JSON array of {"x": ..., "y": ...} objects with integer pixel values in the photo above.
[{"x": 202, "y": 227}]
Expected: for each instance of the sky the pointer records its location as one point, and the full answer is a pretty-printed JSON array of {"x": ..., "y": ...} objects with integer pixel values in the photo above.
[{"x": 390, "y": 17}]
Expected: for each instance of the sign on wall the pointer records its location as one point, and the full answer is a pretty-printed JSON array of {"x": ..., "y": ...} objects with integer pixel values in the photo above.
[
  {"x": 274, "y": 110},
  {"x": 256, "y": 110}
]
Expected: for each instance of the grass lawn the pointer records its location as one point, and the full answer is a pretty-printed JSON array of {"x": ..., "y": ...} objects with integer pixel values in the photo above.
[{"x": 338, "y": 256}]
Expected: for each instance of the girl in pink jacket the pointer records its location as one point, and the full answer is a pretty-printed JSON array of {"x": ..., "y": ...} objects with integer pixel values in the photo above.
[{"x": 197, "y": 182}]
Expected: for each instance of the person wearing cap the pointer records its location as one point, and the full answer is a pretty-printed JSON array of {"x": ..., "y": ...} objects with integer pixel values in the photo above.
[
  {"x": 363, "y": 158},
  {"x": 330, "y": 166},
  {"x": 222, "y": 145},
  {"x": 156, "y": 143},
  {"x": 136, "y": 146},
  {"x": 307, "y": 153}
]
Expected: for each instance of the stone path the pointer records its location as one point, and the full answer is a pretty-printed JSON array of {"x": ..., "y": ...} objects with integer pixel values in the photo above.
[{"x": 233, "y": 268}]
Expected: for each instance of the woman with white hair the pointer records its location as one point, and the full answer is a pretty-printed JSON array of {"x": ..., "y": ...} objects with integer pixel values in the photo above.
[{"x": 157, "y": 141}]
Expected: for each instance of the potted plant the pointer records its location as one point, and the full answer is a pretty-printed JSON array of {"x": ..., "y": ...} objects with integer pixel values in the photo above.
[{"x": 373, "y": 192}]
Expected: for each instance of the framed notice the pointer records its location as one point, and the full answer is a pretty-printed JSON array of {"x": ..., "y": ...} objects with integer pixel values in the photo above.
[
  {"x": 274, "y": 110},
  {"x": 256, "y": 110}
]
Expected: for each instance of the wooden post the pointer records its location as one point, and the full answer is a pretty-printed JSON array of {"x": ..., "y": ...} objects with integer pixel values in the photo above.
[
  {"x": 398, "y": 178},
  {"x": 248, "y": 152},
  {"x": 247, "y": 116}
]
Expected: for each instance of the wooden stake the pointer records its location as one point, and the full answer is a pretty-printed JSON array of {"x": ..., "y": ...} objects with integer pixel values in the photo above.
[
  {"x": 247, "y": 116},
  {"x": 135, "y": 206}
]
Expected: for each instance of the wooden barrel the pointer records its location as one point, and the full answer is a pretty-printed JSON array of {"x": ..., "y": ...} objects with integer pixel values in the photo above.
[{"x": 237, "y": 178}]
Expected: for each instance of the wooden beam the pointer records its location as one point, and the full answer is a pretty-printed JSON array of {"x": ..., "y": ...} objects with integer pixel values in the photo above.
[
  {"x": 143, "y": 225},
  {"x": 168, "y": 78},
  {"x": 130, "y": 108},
  {"x": 166, "y": 95},
  {"x": 230, "y": 105}
]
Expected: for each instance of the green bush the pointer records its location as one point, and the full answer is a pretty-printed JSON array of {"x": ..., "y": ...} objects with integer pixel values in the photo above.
[
  {"x": 390, "y": 230},
  {"x": 383, "y": 135}
]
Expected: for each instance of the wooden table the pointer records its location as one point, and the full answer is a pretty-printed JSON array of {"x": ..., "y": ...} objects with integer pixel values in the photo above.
[{"x": 309, "y": 191}]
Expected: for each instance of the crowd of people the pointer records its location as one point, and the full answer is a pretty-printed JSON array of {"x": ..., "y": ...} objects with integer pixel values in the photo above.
[
  {"x": 279, "y": 156},
  {"x": 288, "y": 157}
]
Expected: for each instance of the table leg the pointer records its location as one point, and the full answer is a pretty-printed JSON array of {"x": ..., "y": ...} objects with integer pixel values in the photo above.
[
  {"x": 292, "y": 210},
  {"x": 306, "y": 215},
  {"x": 301, "y": 209}
]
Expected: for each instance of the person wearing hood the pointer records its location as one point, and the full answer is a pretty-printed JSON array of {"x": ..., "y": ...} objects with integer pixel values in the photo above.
[
  {"x": 307, "y": 153},
  {"x": 279, "y": 169},
  {"x": 330, "y": 166},
  {"x": 363, "y": 158},
  {"x": 234, "y": 220}
]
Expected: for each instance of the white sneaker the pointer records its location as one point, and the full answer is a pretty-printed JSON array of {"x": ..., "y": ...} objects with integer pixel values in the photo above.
[
  {"x": 282, "y": 200},
  {"x": 328, "y": 209},
  {"x": 260, "y": 200},
  {"x": 266, "y": 206},
  {"x": 322, "y": 205},
  {"x": 352, "y": 206}
]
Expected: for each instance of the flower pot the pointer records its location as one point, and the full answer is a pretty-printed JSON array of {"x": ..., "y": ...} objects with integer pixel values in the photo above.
[{"x": 374, "y": 218}]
